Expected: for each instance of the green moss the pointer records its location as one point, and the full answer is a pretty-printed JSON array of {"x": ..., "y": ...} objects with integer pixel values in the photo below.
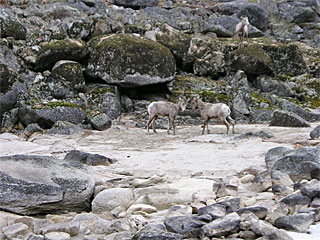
[
  {"x": 314, "y": 85},
  {"x": 315, "y": 102},
  {"x": 255, "y": 51},
  {"x": 255, "y": 97}
]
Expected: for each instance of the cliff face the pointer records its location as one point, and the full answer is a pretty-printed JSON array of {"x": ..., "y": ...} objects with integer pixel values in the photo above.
[{"x": 104, "y": 57}]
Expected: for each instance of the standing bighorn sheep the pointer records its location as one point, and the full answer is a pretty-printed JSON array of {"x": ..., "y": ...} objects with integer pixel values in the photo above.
[
  {"x": 168, "y": 109},
  {"x": 242, "y": 30},
  {"x": 209, "y": 111}
]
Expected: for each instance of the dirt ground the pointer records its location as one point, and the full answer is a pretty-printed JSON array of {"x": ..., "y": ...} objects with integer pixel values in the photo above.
[{"x": 187, "y": 152}]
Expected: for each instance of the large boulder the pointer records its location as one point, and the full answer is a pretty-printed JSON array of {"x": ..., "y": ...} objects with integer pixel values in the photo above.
[
  {"x": 287, "y": 119},
  {"x": 41, "y": 184},
  {"x": 11, "y": 25},
  {"x": 257, "y": 16},
  {"x": 129, "y": 61},
  {"x": 303, "y": 163},
  {"x": 268, "y": 59},
  {"x": 56, "y": 50},
  {"x": 315, "y": 133},
  {"x": 47, "y": 116}
]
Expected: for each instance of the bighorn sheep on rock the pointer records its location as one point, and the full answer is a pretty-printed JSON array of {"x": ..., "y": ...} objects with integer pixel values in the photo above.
[
  {"x": 168, "y": 109},
  {"x": 209, "y": 111},
  {"x": 242, "y": 30}
]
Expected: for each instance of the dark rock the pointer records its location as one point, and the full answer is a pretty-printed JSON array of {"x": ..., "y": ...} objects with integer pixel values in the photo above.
[
  {"x": 9, "y": 120},
  {"x": 32, "y": 128},
  {"x": 291, "y": 107},
  {"x": 303, "y": 15},
  {"x": 315, "y": 133},
  {"x": 8, "y": 77},
  {"x": 299, "y": 222},
  {"x": 311, "y": 189},
  {"x": 100, "y": 122},
  {"x": 215, "y": 211},
  {"x": 269, "y": 85},
  {"x": 88, "y": 158},
  {"x": 301, "y": 164},
  {"x": 232, "y": 204},
  {"x": 187, "y": 226},
  {"x": 155, "y": 232},
  {"x": 8, "y": 58},
  {"x": 41, "y": 184},
  {"x": 222, "y": 226},
  {"x": 257, "y": 16},
  {"x": 260, "y": 211},
  {"x": 64, "y": 128},
  {"x": 68, "y": 75},
  {"x": 54, "y": 51},
  {"x": 46, "y": 117},
  {"x": 115, "y": 59},
  {"x": 295, "y": 199},
  {"x": 136, "y": 4},
  {"x": 9, "y": 100},
  {"x": 287, "y": 119},
  {"x": 111, "y": 105},
  {"x": 262, "y": 134},
  {"x": 11, "y": 25}
]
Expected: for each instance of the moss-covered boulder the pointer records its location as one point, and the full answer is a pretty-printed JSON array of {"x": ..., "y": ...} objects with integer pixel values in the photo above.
[
  {"x": 268, "y": 59},
  {"x": 128, "y": 61},
  {"x": 68, "y": 74},
  {"x": 57, "y": 50},
  {"x": 11, "y": 25}
]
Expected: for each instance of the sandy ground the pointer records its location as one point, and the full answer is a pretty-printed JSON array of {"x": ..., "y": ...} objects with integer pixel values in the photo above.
[{"x": 187, "y": 152}]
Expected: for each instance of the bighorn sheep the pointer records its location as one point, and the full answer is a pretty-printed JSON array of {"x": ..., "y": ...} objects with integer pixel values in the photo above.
[
  {"x": 168, "y": 109},
  {"x": 209, "y": 111},
  {"x": 242, "y": 30}
]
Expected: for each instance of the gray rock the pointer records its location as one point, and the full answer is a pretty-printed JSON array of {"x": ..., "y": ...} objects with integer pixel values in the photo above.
[
  {"x": 295, "y": 199},
  {"x": 136, "y": 4},
  {"x": 287, "y": 119},
  {"x": 315, "y": 133},
  {"x": 311, "y": 189},
  {"x": 11, "y": 25},
  {"x": 64, "y": 128},
  {"x": 257, "y": 16},
  {"x": 260, "y": 211},
  {"x": 215, "y": 211},
  {"x": 232, "y": 204},
  {"x": 32, "y": 236},
  {"x": 109, "y": 199},
  {"x": 301, "y": 164},
  {"x": 101, "y": 122},
  {"x": 14, "y": 230},
  {"x": 89, "y": 222},
  {"x": 222, "y": 226},
  {"x": 299, "y": 222},
  {"x": 280, "y": 88},
  {"x": 47, "y": 117},
  {"x": 57, "y": 236},
  {"x": 124, "y": 67},
  {"x": 79, "y": 29},
  {"x": 88, "y": 158},
  {"x": 40, "y": 184},
  {"x": 274, "y": 154},
  {"x": 303, "y": 15},
  {"x": 72, "y": 228},
  {"x": 111, "y": 105},
  {"x": 152, "y": 232},
  {"x": 32, "y": 128},
  {"x": 187, "y": 226}
]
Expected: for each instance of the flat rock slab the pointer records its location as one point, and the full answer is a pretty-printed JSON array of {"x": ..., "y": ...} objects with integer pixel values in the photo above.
[{"x": 41, "y": 184}]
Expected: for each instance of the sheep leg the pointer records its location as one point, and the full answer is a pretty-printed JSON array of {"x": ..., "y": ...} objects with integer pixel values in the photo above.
[
  {"x": 205, "y": 123},
  {"x": 227, "y": 125},
  {"x": 149, "y": 122},
  {"x": 232, "y": 122},
  {"x": 168, "y": 131},
  {"x": 154, "y": 124},
  {"x": 173, "y": 126}
]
